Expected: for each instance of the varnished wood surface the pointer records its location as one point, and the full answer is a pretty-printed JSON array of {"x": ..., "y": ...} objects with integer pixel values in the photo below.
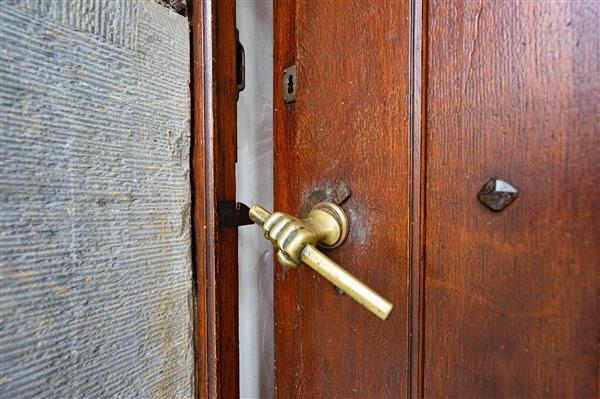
[
  {"x": 214, "y": 94},
  {"x": 350, "y": 123},
  {"x": 284, "y": 291},
  {"x": 512, "y": 297},
  {"x": 198, "y": 171}
]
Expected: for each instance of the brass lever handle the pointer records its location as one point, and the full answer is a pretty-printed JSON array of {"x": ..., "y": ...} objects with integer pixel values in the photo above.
[{"x": 296, "y": 240}]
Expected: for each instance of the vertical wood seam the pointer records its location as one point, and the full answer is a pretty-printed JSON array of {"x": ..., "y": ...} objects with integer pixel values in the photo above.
[{"x": 417, "y": 72}]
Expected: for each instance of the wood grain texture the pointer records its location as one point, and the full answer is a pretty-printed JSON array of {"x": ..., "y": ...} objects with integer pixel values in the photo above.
[
  {"x": 284, "y": 168},
  {"x": 213, "y": 174},
  {"x": 202, "y": 334},
  {"x": 95, "y": 267},
  {"x": 350, "y": 123},
  {"x": 512, "y": 297}
]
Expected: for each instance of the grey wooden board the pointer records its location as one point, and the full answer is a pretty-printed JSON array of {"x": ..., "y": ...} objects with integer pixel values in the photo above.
[{"x": 95, "y": 265}]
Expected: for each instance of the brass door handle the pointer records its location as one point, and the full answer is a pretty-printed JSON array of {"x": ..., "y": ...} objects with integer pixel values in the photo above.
[{"x": 296, "y": 240}]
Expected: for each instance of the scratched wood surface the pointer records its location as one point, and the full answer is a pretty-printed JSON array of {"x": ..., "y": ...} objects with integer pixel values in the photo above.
[
  {"x": 512, "y": 297},
  {"x": 95, "y": 268},
  {"x": 351, "y": 125}
]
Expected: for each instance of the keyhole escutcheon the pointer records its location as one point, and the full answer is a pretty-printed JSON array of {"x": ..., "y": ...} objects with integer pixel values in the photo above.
[{"x": 290, "y": 85}]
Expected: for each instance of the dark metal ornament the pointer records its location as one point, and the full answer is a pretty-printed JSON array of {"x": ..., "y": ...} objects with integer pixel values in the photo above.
[{"x": 496, "y": 194}]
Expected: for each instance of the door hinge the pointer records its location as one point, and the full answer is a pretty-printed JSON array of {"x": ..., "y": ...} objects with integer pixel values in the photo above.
[
  {"x": 232, "y": 214},
  {"x": 241, "y": 63}
]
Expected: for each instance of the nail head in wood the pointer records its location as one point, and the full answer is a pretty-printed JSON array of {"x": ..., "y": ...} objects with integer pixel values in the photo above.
[{"x": 496, "y": 194}]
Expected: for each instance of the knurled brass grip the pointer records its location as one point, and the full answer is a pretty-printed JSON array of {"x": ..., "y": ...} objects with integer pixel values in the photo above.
[{"x": 296, "y": 239}]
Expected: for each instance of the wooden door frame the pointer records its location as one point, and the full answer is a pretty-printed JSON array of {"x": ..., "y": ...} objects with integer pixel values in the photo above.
[
  {"x": 214, "y": 148},
  {"x": 214, "y": 98}
]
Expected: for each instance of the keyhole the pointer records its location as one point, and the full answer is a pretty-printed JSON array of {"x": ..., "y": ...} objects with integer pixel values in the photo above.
[{"x": 290, "y": 88}]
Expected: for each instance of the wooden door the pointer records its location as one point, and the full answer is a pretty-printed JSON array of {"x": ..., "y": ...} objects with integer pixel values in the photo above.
[
  {"x": 511, "y": 304},
  {"x": 349, "y": 124},
  {"x": 415, "y": 106}
]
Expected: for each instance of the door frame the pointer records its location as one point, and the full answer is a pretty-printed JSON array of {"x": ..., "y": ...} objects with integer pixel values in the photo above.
[{"x": 214, "y": 95}]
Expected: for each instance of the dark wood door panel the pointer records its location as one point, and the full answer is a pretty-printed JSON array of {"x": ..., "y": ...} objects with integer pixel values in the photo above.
[
  {"x": 512, "y": 297},
  {"x": 352, "y": 126}
]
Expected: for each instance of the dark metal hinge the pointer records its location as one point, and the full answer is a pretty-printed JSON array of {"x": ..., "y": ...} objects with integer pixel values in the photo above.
[
  {"x": 232, "y": 214},
  {"x": 241, "y": 63}
]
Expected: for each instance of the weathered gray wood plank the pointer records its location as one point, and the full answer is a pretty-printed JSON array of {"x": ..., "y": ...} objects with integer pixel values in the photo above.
[{"x": 95, "y": 272}]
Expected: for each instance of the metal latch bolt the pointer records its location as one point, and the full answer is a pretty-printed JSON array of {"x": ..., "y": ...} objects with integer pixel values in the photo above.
[{"x": 232, "y": 214}]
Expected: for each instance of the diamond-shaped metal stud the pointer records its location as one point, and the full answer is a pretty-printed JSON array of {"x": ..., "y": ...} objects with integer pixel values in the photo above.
[{"x": 496, "y": 194}]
